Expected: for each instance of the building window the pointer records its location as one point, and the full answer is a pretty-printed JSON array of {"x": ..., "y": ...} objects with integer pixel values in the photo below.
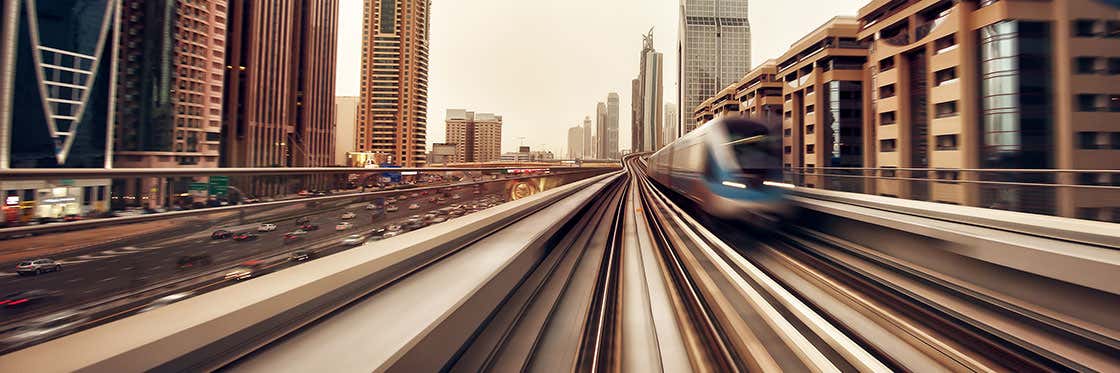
[
  {"x": 947, "y": 142},
  {"x": 787, "y": 132},
  {"x": 946, "y": 109},
  {"x": 87, "y": 195},
  {"x": 1088, "y": 102},
  {"x": 810, "y": 149},
  {"x": 1091, "y": 140},
  {"x": 948, "y": 175},
  {"x": 888, "y": 146},
  {"x": 887, "y": 171},
  {"x": 945, "y": 44},
  {"x": 886, "y": 64},
  {"x": 945, "y": 76},
  {"x": 1114, "y": 103},
  {"x": 1086, "y": 65},
  {"x": 1113, "y": 66},
  {"x": 809, "y": 109},
  {"x": 810, "y": 129},
  {"x": 809, "y": 90},
  {"x": 1112, "y": 29},
  {"x": 1084, "y": 28},
  {"x": 886, "y": 91},
  {"x": 887, "y": 118},
  {"x": 787, "y": 149},
  {"x": 1115, "y": 137}
]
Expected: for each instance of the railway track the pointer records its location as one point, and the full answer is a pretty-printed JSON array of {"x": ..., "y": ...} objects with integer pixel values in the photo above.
[{"x": 617, "y": 274}]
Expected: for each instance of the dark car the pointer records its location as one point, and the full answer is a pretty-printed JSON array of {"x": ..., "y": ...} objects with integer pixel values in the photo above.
[
  {"x": 190, "y": 261},
  {"x": 303, "y": 221},
  {"x": 244, "y": 236},
  {"x": 309, "y": 227},
  {"x": 221, "y": 234},
  {"x": 301, "y": 255},
  {"x": 27, "y": 297}
]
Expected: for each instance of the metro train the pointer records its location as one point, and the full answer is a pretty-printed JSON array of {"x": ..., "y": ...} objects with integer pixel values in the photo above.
[{"x": 723, "y": 166}]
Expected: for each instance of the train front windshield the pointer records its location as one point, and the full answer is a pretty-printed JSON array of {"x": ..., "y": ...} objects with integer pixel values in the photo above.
[{"x": 756, "y": 151}]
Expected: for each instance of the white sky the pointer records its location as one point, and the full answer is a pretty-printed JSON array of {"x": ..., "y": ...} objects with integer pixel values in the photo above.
[{"x": 545, "y": 64}]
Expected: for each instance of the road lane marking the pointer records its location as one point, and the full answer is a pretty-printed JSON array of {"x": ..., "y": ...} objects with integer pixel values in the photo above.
[{"x": 108, "y": 279}]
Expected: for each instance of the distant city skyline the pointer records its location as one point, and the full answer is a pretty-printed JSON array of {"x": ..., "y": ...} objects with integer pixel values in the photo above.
[{"x": 472, "y": 66}]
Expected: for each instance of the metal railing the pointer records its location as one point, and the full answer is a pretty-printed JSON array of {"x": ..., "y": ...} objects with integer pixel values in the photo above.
[{"x": 1075, "y": 193}]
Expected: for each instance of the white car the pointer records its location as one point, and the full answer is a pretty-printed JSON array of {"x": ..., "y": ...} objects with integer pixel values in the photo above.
[
  {"x": 390, "y": 234},
  {"x": 371, "y": 207},
  {"x": 343, "y": 226},
  {"x": 413, "y": 207},
  {"x": 348, "y": 215},
  {"x": 354, "y": 239},
  {"x": 167, "y": 300},
  {"x": 392, "y": 208},
  {"x": 266, "y": 227}
]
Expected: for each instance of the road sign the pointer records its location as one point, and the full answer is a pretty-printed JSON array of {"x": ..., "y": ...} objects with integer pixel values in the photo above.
[
  {"x": 198, "y": 187},
  {"x": 219, "y": 185}
]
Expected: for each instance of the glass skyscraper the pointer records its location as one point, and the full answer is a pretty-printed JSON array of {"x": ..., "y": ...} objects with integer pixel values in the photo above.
[{"x": 714, "y": 50}]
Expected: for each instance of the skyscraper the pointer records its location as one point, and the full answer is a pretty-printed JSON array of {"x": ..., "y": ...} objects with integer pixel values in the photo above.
[
  {"x": 575, "y": 142},
  {"x": 64, "y": 94},
  {"x": 588, "y": 145},
  {"x": 647, "y": 99},
  {"x": 169, "y": 83},
  {"x": 346, "y": 130},
  {"x": 713, "y": 50},
  {"x": 477, "y": 136},
  {"x": 669, "y": 130},
  {"x": 393, "y": 112},
  {"x": 601, "y": 131},
  {"x": 611, "y": 142},
  {"x": 279, "y": 85}
]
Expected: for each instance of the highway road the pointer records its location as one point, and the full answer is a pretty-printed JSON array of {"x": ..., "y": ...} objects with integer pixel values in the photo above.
[{"x": 115, "y": 282}]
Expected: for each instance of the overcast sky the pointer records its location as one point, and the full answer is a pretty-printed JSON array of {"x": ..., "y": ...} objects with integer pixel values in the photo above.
[{"x": 543, "y": 65}]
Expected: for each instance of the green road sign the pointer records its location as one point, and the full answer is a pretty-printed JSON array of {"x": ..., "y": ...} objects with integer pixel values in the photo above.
[
  {"x": 219, "y": 185},
  {"x": 198, "y": 187}
]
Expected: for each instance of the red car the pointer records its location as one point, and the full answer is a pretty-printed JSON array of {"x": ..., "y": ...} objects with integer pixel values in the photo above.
[
  {"x": 309, "y": 227},
  {"x": 221, "y": 234},
  {"x": 244, "y": 236}
]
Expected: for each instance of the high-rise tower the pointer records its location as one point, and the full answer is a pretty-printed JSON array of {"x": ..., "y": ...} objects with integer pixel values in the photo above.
[
  {"x": 393, "y": 109},
  {"x": 714, "y": 50}
]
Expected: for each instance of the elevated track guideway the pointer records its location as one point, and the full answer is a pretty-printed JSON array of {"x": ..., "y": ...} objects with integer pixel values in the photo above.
[{"x": 615, "y": 273}]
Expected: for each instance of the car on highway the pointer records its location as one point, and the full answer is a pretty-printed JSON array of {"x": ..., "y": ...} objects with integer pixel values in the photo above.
[
  {"x": 163, "y": 301},
  {"x": 244, "y": 236},
  {"x": 438, "y": 219},
  {"x": 221, "y": 234},
  {"x": 414, "y": 195},
  {"x": 348, "y": 215},
  {"x": 37, "y": 266},
  {"x": 45, "y": 327},
  {"x": 266, "y": 227},
  {"x": 309, "y": 227},
  {"x": 301, "y": 256},
  {"x": 456, "y": 196},
  {"x": 392, "y": 208},
  {"x": 391, "y": 234},
  {"x": 371, "y": 207},
  {"x": 195, "y": 260},
  {"x": 247, "y": 270},
  {"x": 393, "y": 228},
  {"x": 294, "y": 236},
  {"x": 303, "y": 220},
  {"x": 391, "y": 200},
  {"x": 343, "y": 226},
  {"x": 353, "y": 240},
  {"x": 414, "y": 207},
  {"x": 26, "y": 298}
]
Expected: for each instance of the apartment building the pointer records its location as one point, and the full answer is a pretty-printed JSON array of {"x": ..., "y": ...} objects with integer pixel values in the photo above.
[
  {"x": 943, "y": 90},
  {"x": 822, "y": 101},
  {"x": 477, "y": 136},
  {"x": 760, "y": 94},
  {"x": 1009, "y": 84}
]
